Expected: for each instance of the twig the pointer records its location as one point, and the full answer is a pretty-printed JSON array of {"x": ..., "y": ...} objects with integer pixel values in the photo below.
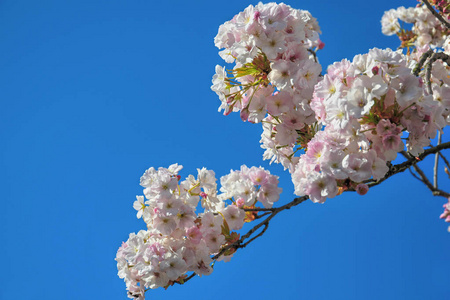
[
  {"x": 266, "y": 225},
  {"x": 246, "y": 239},
  {"x": 263, "y": 215},
  {"x": 422, "y": 61},
  {"x": 436, "y": 163},
  {"x": 394, "y": 169},
  {"x": 442, "y": 56},
  {"x": 436, "y": 14},
  {"x": 435, "y": 191},
  {"x": 240, "y": 243},
  {"x": 259, "y": 209},
  {"x": 414, "y": 175},
  {"x": 444, "y": 159},
  {"x": 447, "y": 163},
  {"x": 424, "y": 179},
  {"x": 313, "y": 53}
]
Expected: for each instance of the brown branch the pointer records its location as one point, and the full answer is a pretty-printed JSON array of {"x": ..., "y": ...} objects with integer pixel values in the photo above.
[
  {"x": 414, "y": 175},
  {"x": 394, "y": 169},
  {"x": 259, "y": 209},
  {"x": 313, "y": 53},
  {"x": 447, "y": 163},
  {"x": 444, "y": 159},
  {"x": 423, "y": 178},
  {"x": 435, "y": 191},
  {"x": 422, "y": 61},
  {"x": 442, "y": 56},
  {"x": 246, "y": 239},
  {"x": 266, "y": 225},
  {"x": 240, "y": 243},
  {"x": 263, "y": 215},
  {"x": 436, "y": 163},
  {"x": 436, "y": 14}
]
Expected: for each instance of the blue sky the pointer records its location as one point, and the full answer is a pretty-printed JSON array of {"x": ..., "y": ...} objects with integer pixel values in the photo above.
[{"x": 95, "y": 92}]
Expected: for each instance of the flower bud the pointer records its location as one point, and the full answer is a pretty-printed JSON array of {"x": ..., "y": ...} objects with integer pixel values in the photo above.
[
  {"x": 244, "y": 114},
  {"x": 375, "y": 70},
  {"x": 362, "y": 189},
  {"x": 240, "y": 202}
]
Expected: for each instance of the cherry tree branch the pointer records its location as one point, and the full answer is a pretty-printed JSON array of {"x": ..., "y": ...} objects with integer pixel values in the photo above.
[
  {"x": 442, "y": 56},
  {"x": 414, "y": 174},
  {"x": 436, "y": 14},
  {"x": 436, "y": 163},
  {"x": 422, "y": 61},
  {"x": 313, "y": 53},
  {"x": 433, "y": 57},
  {"x": 423, "y": 178},
  {"x": 394, "y": 169},
  {"x": 250, "y": 236},
  {"x": 444, "y": 159},
  {"x": 242, "y": 242},
  {"x": 447, "y": 163}
]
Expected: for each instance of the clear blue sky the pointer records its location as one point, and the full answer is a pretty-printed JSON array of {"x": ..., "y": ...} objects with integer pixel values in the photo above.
[{"x": 95, "y": 92}]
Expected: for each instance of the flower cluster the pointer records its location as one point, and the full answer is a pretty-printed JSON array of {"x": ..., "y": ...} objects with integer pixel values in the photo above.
[
  {"x": 367, "y": 106},
  {"x": 178, "y": 239},
  {"x": 443, "y": 6},
  {"x": 274, "y": 75},
  {"x": 426, "y": 29},
  {"x": 334, "y": 133},
  {"x": 426, "y": 33}
]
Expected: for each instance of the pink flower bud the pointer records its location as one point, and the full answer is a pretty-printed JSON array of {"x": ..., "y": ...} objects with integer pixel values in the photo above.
[
  {"x": 375, "y": 70},
  {"x": 362, "y": 189},
  {"x": 321, "y": 45},
  {"x": 227, "y": 111},
  {"x": 244, "y": 114},
  {"x": 240, "y": 202}
]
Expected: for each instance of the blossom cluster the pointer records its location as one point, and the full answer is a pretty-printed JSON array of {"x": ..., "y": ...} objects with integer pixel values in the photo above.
[
  {"x": 333, "y": 132},
  {"x": 426, "y": 33},
  {"x": 179, "y": 239},
  {"x": 274, "y": 75},
  {"x": 368, "y": 106},
  {"x": 443, "y": 6},
  {"x": 426, "y": 29}
]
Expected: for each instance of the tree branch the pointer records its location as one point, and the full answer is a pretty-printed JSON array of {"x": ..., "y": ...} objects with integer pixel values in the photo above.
[
  {"x": 436, "y": 163},
  {"x": 422, "y": 61},
  {"x": 246, "y": 239},
  {"x": 394, "y": 169},
  {"x": 414, "y": 175},
  {"x": 425, "y": 180},
  {"x": 436, "y": 14},
  {"x": 435, "y": 191},
  {"x": 442, "y": 56},
  {"x": 444, "y": 159}
]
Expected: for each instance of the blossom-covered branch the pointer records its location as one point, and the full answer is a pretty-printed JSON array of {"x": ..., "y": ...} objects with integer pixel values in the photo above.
[
  {"x": 335, "y": 133},
  {"x": 436, "y": 14},
  {"x": 393, "y": 170}
]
